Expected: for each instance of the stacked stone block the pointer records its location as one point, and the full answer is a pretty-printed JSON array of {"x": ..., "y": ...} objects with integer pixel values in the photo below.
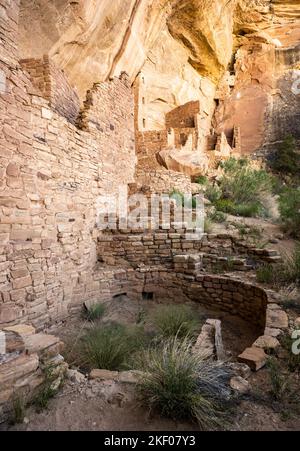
[
  {"x": 28, "y": 359},
  {"x": 53, "y": 86}
]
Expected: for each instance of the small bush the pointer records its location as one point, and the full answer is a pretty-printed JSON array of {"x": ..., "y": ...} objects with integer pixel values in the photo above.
[
  {"x": 19, "y": 409},
  {"x": 109, "y": 346},
  {"x": 282, "y": 274},
  {"x": 266, "y": 274},
  {"x": 178, "y": 196},
  {"x": 247, "y": 210},
  {"x": 289, "y": 207},
  {"x": 43, "y": 398},
  {"x": 291, "y": 267},
  {"x": 95, "y": 312},
  {"x": 217, "y": 216},
  {"x": 181, "y": 385},
  {"x": 47, "y": 391},
  {"x": 243, "y": 184},
  {"x": 290, "y": 298},
  {"x": 213, "y": 193},
  {"x": 242, "y": 189},
  {"x": 225, "y": 205},
  {"x": 207, "y": 225},
  {"x": 201, "y": 180},
  {"x": 286, "y": 160},
  {"x": 293, "y": 359},
  {"x": 250, "y": 210},
  {"x": 187, "y": 200},
  {"x": 174, "y": 320},
  {"x": 279, "y": 382}
]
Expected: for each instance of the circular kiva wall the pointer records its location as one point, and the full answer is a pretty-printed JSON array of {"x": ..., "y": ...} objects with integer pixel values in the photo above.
[
  {"x": 219, "y": 293},
  {"x": 215, "y": 292}
]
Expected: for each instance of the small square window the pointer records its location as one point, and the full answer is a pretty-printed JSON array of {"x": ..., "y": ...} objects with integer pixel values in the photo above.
[{"x": 148, "y": 295}]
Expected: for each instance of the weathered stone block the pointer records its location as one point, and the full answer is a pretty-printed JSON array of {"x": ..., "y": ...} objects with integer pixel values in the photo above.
[{"x": 254, "y": 357}]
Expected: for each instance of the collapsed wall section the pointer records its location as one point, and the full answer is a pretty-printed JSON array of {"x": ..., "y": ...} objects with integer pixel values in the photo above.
[{"x": 54, "y": 86}]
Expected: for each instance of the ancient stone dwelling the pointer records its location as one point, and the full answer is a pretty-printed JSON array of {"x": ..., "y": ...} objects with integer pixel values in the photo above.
[{"x": 73, "y": 129}]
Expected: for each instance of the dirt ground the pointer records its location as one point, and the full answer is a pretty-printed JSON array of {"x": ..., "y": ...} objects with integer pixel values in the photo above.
[{"x": 106, "y": 406}]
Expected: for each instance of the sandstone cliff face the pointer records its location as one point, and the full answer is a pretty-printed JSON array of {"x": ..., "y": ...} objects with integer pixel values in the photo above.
[{"x": 182, "y": 48}]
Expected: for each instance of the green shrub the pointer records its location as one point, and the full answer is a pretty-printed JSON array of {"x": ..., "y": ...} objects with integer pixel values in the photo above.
[
  {"x": 43, "y": 398},
  {"x": 243, "y": 184},
  {"x": 286, "y": 273},
  {"x": 291, "y": 267},
  {"x": 189, "y": 201},
  {"x": 291, "y": 304},
  {"x": 225, "y": 205},
  {"x": 233, "y": 164},
  {"x": 201, "y": 180},
  {"x": 241, "y": 190},
  {"x": 289, "y": 207},
  {"x": 207, "y": 225},
  {"x": 266, "y": 274},
  {"x": 48, "y": 389},
  {"x": 174, "y": 320},
  {"x": 217, "y": 216},
  {"x": 213, "y": 193},
  {"x": 286, "y": 160},
  {"x": 95, "y": 312},
  {"x": 109, "y": 346},
  {"x": 177, "y": 196},
  {"x": 19, "y": 409},
  {"x": 293, "y": 359},
  {"x": 181, "y": 385},
  {"x": 279, "y": 382},
  {"x": 246, "y": 210},
  {"x": 250, "y": 210}
]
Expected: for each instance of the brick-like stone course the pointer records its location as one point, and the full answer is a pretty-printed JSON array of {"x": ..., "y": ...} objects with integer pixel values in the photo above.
[
  {"x": 51, "y": 174},
  {"x": 152, "y": 247},
  {"x": 183, "y": 116},
  {"x": 54, "y": 86},
  {"x": 27, "y": 359}
]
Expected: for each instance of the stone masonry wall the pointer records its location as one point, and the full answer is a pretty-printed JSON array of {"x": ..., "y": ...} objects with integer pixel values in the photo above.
[
  {"x": 169, "y": 286},
  {"x": 9, "y": 10},
  {"x": 51, "y": 174},
  {"x": 148, "y": 145},
  {"x": 159, "y": 248},
  {"x": 215, "y": 292},
  {"x": 163, "y": 181},
  {"x": 54, "y": 86},
  {"x": 183, "y": 116}
]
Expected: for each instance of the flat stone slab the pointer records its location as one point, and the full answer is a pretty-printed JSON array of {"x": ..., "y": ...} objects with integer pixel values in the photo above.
[
  {"x": 104, "y": 375},
  {"x": 273, "y": 332},
  {"x": 267, "y": 342},
  {"x": 21, "y": 329},
  {"x": 18, "y": 368},
  {"x": 255, "y": 358},
  {"x": 40, "y": 342},
  {"x": 130, "y": 377},
  {"x": 277, "y": 319}
]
